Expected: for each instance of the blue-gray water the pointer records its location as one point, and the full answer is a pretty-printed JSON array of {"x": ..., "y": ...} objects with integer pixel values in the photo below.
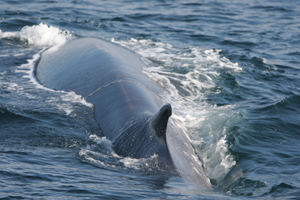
[{"x": 231, "y": 70}]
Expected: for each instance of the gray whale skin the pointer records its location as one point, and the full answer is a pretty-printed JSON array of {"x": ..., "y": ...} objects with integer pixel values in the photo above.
[{"x": 128, "y": 104}]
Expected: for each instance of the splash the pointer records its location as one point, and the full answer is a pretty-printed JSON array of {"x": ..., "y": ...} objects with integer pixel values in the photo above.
[
  {"x": 40, "y": 35},
  {"x": 45, "y": 36},
  {"x": 99, "y": 152}
]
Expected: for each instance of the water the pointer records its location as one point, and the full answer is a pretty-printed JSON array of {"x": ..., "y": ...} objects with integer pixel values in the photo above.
[{"x": 230, "y": 69}]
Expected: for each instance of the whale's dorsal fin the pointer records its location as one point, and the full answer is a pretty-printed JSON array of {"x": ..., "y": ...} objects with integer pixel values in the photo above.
[
  {"x": 147, "y": 133},
  {"x": 159, "y": 122}
]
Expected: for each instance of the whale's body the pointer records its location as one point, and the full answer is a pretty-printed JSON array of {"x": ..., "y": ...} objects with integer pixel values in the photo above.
[{"x": 128, "y": 104}]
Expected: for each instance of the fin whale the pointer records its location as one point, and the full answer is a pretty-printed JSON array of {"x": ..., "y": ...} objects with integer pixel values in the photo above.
[{"x": 128, "y": 105}]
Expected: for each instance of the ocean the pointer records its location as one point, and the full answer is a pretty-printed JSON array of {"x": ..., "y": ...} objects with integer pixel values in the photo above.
[{"x": 230, "y": 69}]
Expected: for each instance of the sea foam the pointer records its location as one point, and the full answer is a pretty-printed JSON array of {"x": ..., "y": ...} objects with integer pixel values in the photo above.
[
  {"x": 189, "y": 75},
  {"x": 50, "y": 38},
  {"x": 39, "y": 35}
]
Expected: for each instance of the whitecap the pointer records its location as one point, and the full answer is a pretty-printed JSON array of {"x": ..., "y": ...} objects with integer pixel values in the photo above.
[{"x": 40, "y": 35}]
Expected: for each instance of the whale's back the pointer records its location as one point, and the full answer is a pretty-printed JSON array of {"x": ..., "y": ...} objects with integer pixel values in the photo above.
[
  {"x": 125, "y": 100},
  {"x": 85, "y": 65},
  {"x": 107, "y": 75}
]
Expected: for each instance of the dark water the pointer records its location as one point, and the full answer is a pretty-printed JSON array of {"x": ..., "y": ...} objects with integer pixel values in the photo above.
[{"x": 231, "y": 70}]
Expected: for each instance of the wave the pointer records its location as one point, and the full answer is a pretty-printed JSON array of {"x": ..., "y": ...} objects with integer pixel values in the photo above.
[{"x": 39, "y": 35}]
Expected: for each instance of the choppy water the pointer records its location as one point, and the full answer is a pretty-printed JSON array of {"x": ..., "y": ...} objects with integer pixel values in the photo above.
[{"x": 232, "y": 73}]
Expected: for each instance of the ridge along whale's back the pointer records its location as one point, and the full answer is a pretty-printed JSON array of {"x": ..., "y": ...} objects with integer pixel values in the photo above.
[{"x": 128, "y": 105}]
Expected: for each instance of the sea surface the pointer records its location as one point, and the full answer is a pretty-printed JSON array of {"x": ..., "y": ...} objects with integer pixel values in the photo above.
[{"x": 231, "y": 70}]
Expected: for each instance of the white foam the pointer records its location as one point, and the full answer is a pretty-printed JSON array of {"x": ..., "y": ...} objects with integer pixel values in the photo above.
[
  {"x": 28, "y": 70},
  {"x": 100, "y": 153},
  {"x": 93, "y": 157},
  {"x": 73, "y": 97},
  {"x": 40, "y": 35},
  {"x": 66, "y": 100},
  {"x": 45, "y": 36},
  {"x": 189, "y": 75},
  {"x": 102, "y": 147},
  {"x": 102, "y": 142},
  {"x": 9, "y": 34},
  {"x": 141, "y": 163}
]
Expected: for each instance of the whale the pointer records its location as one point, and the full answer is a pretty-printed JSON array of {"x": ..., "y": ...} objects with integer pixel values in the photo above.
[{"x": 129, "y": 106}]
